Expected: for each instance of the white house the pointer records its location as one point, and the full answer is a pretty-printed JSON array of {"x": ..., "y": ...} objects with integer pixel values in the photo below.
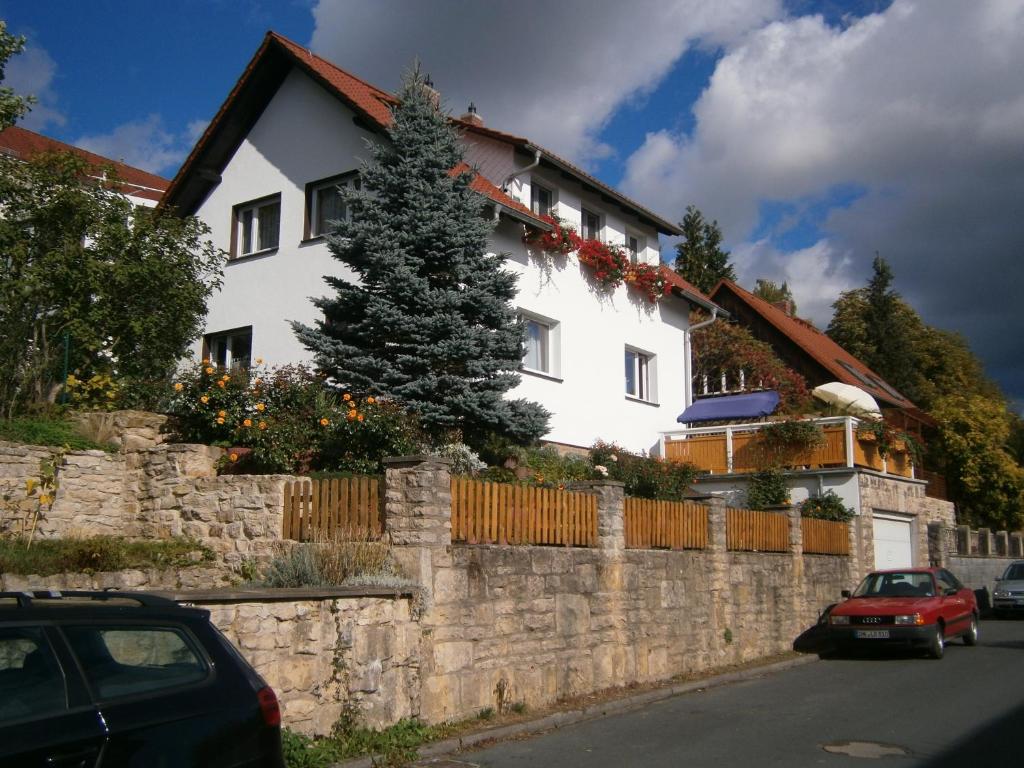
[{"x": 608, "y": 365}]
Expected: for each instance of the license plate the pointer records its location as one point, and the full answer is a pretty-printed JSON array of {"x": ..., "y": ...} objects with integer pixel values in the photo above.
[{"x": 871, "y": 634}]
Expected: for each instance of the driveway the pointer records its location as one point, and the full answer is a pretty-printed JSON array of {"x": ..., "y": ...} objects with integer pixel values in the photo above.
[{"x": 902, "y": 710}]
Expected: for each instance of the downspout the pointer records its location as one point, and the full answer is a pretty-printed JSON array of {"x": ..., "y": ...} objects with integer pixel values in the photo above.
[
  {"x": 513, "y": 176},
  {"x": 688, "y": 357}
]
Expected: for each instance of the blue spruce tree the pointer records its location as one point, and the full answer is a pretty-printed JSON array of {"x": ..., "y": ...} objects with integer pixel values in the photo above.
[{"x": 429, "y": 323}]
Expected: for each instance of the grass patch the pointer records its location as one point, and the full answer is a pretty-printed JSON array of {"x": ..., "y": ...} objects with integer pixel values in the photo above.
[
  {"x": 102, "y": 553},
  {"x": 347, "y": 558},
  {"x": 48, "y": 430},
  {"x": 395, "y": 746}
]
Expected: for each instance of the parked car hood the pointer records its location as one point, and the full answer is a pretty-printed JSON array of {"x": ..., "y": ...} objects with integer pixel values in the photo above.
[
  {"x": 871, "y": 606},
  {"x": 1016, "y": 585}
]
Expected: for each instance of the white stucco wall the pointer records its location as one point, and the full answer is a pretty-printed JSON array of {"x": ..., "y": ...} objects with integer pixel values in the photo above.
[
  {"x": 802, "y": 486},
  {"x": 306, "y": 135}
]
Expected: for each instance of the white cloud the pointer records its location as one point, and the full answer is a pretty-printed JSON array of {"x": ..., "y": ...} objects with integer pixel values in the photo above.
[
  {"x": 146, "y": 143},
  {"x": 555, "y": 72},
  {"x": 920, "y": 106},
  {"x": 32, "y": 72}
]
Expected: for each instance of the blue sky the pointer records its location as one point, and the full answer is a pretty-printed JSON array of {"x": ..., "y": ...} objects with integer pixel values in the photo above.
[{"x": 817, "y": 132}]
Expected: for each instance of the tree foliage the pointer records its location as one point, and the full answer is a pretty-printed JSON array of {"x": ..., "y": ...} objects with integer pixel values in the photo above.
[
  {"x": 428, "y": 322},
  {"x": 12, "y": 105},
  {"x": 774, "y": 293},
  {"x": 699, "y": 256},
  {"x": 126, "y": 287},
  {"x": 728, "y": 348}
]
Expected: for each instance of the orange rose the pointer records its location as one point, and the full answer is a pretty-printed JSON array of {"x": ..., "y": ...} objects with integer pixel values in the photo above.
[
  {"x": 222, "y": 414},
  {"x": 263, "y": 425},
  {"x": 360, "y": 417},
  {"x": 346, "y": 397},
  {"x": 260, "y": 407},
  {"x": 324, "y": 422},
  {"x": 247, "y": 423},
  {"x": 220, "y": 384},
  {"x": 178, "y": 386},
  {"x": 209, "y": 370},
  {"x": 233, "y": 457},
  {"x": 220, "y": 420},
  {"x": 204, "y": 399},
  {"x": 370, "y": 401}
]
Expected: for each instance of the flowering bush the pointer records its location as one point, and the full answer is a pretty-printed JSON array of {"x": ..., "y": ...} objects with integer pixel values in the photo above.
[
  {"x": 827, "y": 506},
  {"x": 562, "y": 238},
  {"x": 609, "y": 262},
  {"x": 644, "y": 476},
  {"x": 367, "y": 431},
  {"x": 649, "y": 280}
]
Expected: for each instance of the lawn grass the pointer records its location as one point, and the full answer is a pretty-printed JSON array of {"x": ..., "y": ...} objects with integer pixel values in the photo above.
[
  {"x": 46, "y": 557},
  {"x": 52, "y": 430}
]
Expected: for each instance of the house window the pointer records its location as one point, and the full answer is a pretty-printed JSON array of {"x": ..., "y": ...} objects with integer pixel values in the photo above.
[
  {"x": 257, "y": 226},
  {"x": 537, "y": 346},
  {"x": 634, "y": 247},
  {"x": 229, "y": 349},
  {"x": 324, "y": 203},
  {"x": 590, "y": 225},
  {"x": 541, "y": 199},
  {"x": 639, "y": 367}
]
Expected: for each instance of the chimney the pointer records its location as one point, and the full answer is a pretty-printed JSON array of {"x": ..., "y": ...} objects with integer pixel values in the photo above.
[
  {"x": 785, "y": 305},
  {"x": 471, "y": 116},
  {"x": 432, "y": 92}
]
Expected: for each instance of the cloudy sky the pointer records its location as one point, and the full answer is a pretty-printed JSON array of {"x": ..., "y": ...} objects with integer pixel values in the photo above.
[{"x": 817, "y": 132}]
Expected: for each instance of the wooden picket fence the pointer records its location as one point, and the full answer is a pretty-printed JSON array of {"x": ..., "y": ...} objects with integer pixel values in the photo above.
[
  {"x": 346, "y": 506},
  {"x": 825, "y": 537},
  {"x": 654, "y": 524},
  {"x": 754, "y": 531},
  {"x": 503, "y": 513}
]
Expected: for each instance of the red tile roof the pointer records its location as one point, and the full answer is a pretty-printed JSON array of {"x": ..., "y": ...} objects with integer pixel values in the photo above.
[
  {"x": 24, "y": 144},
  {"x": 373, "y": 104},
  {"x": 487, "y": 189},
  {"x": 836, "y": 360},
  {"x": 687, "y": 288}
]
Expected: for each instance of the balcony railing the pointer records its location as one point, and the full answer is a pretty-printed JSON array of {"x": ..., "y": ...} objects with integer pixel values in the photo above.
[{"x": 736, "y": 449}]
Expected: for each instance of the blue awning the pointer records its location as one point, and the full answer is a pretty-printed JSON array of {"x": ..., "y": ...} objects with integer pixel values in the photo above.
[{"x": 748, "y": 406}]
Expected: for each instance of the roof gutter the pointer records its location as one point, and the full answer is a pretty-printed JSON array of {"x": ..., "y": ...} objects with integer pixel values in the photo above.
[{"x": 513, "y": 176}]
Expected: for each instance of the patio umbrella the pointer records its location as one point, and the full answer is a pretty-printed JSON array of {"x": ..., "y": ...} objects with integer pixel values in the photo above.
[{"x": 848, "y": 398}]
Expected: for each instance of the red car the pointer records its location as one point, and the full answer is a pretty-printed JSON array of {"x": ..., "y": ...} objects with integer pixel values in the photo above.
[{"x": 911, "y": 607}]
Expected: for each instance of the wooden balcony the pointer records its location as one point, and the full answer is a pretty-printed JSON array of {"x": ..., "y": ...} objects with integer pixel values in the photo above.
[{"x": 736, "y": 449}]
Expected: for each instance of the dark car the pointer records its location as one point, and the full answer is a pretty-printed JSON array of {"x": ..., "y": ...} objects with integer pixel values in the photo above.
[
  {"x": 112, "y": 679},
  {"x": 922, "y": 607}
]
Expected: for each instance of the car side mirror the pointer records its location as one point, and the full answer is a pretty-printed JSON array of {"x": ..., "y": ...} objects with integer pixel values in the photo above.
[
  {"x": 846, "y": 593},
  {"x": 951, "y": 591}
]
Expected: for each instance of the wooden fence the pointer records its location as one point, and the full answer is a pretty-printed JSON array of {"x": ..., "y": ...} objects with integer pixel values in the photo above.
[
  {"x": 825, "y": 537},
  {"x": 753, "y": 531},
  {"x": 346, "y": 506},
  {"x": 502, "y": 513},
  {"x": 665, "y": 524}
]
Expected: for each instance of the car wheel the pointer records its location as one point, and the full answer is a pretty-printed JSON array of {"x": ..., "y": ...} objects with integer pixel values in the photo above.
[
  {"x": 971, "y": 636},
  {"x": 937, "y": 643}
]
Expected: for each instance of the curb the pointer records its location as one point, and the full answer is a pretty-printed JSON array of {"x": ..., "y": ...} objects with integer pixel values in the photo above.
[{"x": 583, "y": 714}]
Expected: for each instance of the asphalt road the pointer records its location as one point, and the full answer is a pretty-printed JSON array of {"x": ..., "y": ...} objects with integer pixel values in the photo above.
[{"x": 966, "y": 710}]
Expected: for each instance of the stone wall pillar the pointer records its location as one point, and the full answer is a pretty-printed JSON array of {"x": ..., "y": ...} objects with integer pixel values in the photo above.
[
  {"x": 937, "y": 555},
  {"x": 722, "y": 613},
  {"x": 418, "y": 513},
  {"x": 1002, "y": 543},
  {"x": 984, "y": 541},
  {"x": 1016, "y": 545},
  {"x": 611, "y": 518},
  {"x": 963, "y": 540}
]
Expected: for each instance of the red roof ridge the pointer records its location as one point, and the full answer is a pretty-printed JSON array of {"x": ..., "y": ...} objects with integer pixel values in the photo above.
[
  {"x": 292, "y": 44},
  {"x": 24, "y": 144}
]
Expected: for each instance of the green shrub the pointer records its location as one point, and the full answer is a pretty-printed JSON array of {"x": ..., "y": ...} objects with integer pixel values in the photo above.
[
  {"x": 645, "y": 477},
  {"x": 827, "y": 506},
  {"x": 303, "y": 752},
  {"x": 767, "y": 488},
  {"x": 100, "y": 553},
  {"x": 48, "y": 429}
]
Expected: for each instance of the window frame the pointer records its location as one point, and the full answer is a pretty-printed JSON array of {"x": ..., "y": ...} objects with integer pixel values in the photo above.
[
  {"x": 552, "y": 345},
  {"x": 636, "y": 257},
  {"x": 599, "y": 230},
  {"x": 644, "y": 372},
  {"x": 208, "y": 347},
  {"x": 536, "y": 186},
  {"x": 237, "y": 213},
  {"x": 311, "y": 212}
]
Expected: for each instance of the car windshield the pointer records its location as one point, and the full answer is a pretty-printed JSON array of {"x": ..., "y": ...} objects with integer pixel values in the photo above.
[
  {"x": 894, "y": 584},
  {"x": 1014, "y": 573}
]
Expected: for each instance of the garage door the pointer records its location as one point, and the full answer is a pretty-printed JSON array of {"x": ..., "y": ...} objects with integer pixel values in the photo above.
[{"x": 893, "y": 548}]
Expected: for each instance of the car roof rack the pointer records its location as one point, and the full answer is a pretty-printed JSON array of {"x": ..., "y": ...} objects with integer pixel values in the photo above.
[{"x": 28, "y": 598}]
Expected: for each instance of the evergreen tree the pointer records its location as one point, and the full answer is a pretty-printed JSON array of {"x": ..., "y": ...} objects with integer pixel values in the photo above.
[
  {"x": 889, "y": 329},
  {"x": 774, "y": 293},
  {"x": 699, "y": 257},
  {"x": 428, "y": 322}
]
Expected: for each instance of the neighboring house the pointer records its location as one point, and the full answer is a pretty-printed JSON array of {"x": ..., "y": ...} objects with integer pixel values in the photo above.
[
  {"x": 141, "y": 187},
  {"x": 812, "y": 354},
  {"x": 294, "y": 127}
]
